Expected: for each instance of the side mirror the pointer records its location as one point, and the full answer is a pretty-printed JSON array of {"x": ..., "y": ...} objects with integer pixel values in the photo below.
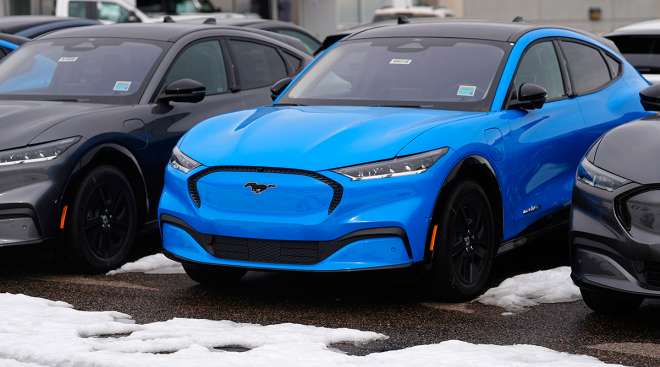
[
  {"x": 183, "y": 90},
  {"x": 279, "y": 87},
  {"x": 132, "y": 17},
  {"x": 650, "y": 98},
  {"x": 530, "y": 97}
]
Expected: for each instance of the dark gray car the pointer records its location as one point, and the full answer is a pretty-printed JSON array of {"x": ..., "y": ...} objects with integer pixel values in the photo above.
[
  {"x": 615, "y": 219},
  {"x": 89, "y": 118}
]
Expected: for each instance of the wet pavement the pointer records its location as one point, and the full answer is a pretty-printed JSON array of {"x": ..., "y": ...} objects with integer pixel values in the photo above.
[{"x": 391, "y": 303}]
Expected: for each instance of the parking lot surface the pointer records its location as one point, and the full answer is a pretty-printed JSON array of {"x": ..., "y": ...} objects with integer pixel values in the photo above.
[{"x": 391, "y": 303}]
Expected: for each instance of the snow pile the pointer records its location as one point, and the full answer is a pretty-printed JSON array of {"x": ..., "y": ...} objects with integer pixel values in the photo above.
[
  {"x": 152, "y": 264},
  {"x": 527, "y": 290},
  {"x": 36, "y": 332}
]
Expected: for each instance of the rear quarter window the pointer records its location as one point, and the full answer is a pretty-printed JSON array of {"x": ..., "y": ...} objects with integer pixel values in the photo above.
[{"x": 588, "y": 69}]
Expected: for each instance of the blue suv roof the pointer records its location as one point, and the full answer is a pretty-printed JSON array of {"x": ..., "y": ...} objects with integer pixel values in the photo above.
[{"x": 450, "y": 29}]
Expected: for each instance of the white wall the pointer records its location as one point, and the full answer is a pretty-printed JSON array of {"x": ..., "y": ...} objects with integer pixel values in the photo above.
[
  {"x": 573, "y": 13},
  {"x": 318, "y": 16}
]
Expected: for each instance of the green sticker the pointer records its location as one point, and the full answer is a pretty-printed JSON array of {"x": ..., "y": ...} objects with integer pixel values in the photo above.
[
  {"x": 122, "y": 86},
  {"x": 466, "y": 90}
]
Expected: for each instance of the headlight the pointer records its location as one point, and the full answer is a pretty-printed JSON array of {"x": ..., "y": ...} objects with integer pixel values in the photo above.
[
  {"x": 596, "y": 177},
  {"x": 36, "y": 153},
  {"x": 182, "y": 162},
  {"x": 402, "y": 166}
]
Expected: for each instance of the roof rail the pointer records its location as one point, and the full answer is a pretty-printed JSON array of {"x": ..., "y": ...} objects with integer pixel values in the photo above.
[
  {"x": 168, "y": 19},
  {"x": 210, "y": 21}
]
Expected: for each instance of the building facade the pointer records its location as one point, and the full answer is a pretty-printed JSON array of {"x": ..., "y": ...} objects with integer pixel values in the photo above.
[{"x": 323, "y": 17}]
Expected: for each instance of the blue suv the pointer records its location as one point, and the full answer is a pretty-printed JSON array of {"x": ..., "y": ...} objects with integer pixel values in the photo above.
[{"x": 438, "y": 145}]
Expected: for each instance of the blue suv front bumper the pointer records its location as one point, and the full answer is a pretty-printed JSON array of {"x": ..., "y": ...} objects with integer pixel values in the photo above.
[{"x": 306, "y": 221}]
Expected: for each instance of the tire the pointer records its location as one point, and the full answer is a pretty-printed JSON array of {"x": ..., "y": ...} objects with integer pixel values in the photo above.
[
  {"x": 610, "y": 303},
  {"x": 103, "y": 221},
  {"x": 466, "y": 243},
  {"x": 214, "y": 277}
]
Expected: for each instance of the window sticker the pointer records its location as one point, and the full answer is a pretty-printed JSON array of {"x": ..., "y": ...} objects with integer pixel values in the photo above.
[
  {"x": 68, "y": 59},
  {"x": 400, "y": 61},
  {"x": 466, "y": 90},
  {"x": 122, "y": 86}
]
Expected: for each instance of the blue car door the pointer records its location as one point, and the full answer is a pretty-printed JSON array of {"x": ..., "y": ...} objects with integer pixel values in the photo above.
[
  {"x": 604, "y": 97},
  {"x": 541, "y": 151}
]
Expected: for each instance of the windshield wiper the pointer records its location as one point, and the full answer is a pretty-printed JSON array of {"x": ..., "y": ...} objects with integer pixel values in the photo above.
[
  {"x": 66, "y": 100},
  {"x": 288, "y": 104},
  {"x": 400, "y": 106}
]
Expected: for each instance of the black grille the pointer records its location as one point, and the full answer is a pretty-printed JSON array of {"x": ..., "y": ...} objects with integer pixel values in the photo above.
[
  {"x": 272, "y": 251},
  {"x": 281, "y": 251},
  {"x": 652, "y": 274},
  {"x": 337, "y": 189}
]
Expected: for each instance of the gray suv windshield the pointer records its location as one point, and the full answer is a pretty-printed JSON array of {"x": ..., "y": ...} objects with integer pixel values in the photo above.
[{"x": 97, "y": 70}]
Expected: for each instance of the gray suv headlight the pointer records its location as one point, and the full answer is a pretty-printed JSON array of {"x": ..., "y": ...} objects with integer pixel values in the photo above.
[
  {"x": 182, "y": 162},
  {"x": 36, "y": 153},
  {"x": 401, "y": 166},
  {"x": 594, "y": 176}
]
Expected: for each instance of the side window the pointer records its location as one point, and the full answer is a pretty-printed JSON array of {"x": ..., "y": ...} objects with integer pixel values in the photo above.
[
  {"x": 614, "y": 65},
  {"x": 258, "y": 65},
  {"x": 82, "y": 9},
  {"x": 540, "y": 66},
  {"x": 112, "y": 12},
  {"x": 310, "y": 44},
  {"x": 587, "y": 67},
  {"x": 202, "y": 62},
  {"x": 294, "y": 62}
]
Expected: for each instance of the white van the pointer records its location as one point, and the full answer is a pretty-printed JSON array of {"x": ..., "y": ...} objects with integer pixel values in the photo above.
[
  {"x": 106, "y": 11},
  {"x": 123, "y": 11}
]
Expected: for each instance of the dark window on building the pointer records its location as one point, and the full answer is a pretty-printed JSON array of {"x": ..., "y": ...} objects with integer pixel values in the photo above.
[
  {"x": 258, "y": 65},
  {"x": 587, "y": 67}
]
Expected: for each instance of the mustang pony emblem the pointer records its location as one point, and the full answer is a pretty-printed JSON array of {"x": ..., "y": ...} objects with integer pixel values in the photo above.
[{"x": 258, "y": 188}]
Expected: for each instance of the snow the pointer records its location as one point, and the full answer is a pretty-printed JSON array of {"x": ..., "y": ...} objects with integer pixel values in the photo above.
[
  {"x": 152, "y": 264},
  {"x": 36, "y": 332},
  {"x": 527, "y": 290}
]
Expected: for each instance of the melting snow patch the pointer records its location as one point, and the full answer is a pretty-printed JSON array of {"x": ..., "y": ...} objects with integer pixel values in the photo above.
[
  {"x": 152, "y": 264},
  {"x": 527, "y": 290},
  {"x": 35, "y": 332}
]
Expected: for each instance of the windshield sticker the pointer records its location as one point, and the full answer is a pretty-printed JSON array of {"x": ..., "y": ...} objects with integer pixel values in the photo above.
[
  {"x": 68, "y": 59},
  {"x": 400, "y": 61},
  {"x": 466, "y": 90},
  {"x": 122, "y": 86}
]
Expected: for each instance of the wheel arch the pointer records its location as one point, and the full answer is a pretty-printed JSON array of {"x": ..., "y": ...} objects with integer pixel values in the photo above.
[
  {"x": 479, "y": 169},
  {"x": 118, "y": 156}
]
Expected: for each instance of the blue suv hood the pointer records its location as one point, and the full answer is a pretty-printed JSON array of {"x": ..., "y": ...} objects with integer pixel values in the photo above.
[{"x": 310, "y": 138}]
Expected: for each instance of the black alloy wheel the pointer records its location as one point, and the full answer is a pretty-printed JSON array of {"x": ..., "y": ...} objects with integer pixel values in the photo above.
[
  {"x": 467, "y": 241},
  {"x": 103, "y": 220}
]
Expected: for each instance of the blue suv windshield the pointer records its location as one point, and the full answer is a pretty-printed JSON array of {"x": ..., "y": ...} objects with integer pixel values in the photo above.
[
  {"x": 101, "y": 70},
  {"x": 450, "y": 73}
]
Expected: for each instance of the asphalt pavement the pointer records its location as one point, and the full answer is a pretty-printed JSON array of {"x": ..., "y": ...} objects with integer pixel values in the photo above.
[{"x": 391, "y": 303}]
